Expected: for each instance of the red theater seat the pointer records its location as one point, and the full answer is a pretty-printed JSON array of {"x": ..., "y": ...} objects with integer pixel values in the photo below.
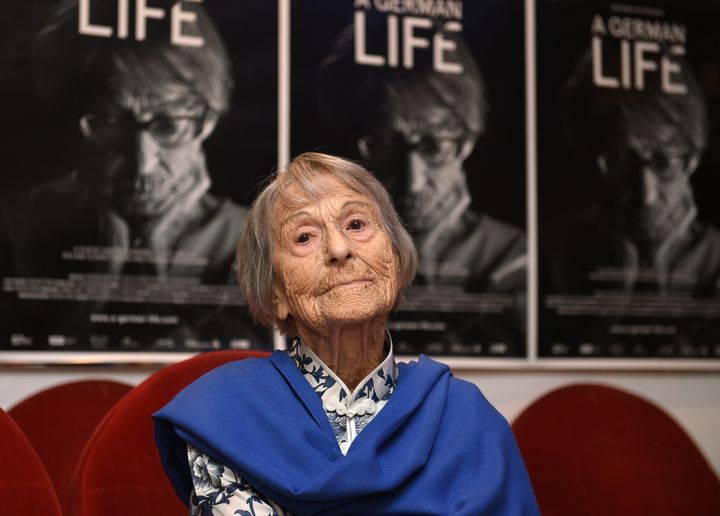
[
  {"x": 596, "y": 450},
  {"x": 25, "y": 487},
  {"x": 59, "y": 421},
  {"x": 120, "y": 471}
]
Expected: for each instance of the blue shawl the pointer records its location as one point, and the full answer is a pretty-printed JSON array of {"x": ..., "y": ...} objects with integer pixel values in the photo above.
[{"x": 437, "y": 447}]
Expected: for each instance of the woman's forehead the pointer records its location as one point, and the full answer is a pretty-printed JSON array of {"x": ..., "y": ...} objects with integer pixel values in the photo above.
[
  {"x": 326, "y": 188},
  {"x": 331, "y": 200}
]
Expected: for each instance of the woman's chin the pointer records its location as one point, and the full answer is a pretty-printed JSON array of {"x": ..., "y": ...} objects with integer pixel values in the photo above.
[{"x": 354, "y": 315}]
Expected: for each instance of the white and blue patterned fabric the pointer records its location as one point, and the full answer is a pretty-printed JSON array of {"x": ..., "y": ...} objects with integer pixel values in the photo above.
[{"x": 219, "y": 491}]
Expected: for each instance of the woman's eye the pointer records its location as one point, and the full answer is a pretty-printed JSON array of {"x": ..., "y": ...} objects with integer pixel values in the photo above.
[
  {"x": 356, "y": 224},
  {"x": 303, "y": 238}
]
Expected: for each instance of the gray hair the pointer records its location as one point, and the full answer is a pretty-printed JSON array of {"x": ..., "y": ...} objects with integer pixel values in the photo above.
[{"x": 308, "y": 173}]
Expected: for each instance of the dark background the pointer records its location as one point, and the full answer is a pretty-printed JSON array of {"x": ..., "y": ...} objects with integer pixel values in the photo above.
[
  {"x": 566, "y": 185},
  {"x": 563, "y": 34},
  {"x": 37, "y": 141},
  {"x": 494, "y": 31}
]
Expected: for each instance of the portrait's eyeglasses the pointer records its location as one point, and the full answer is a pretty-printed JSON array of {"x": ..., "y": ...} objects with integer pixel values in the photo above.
[
  {"x": 434, "y": 150},
  {"x": 165, "y": 130},
  {"x": 666, "y": 166}
]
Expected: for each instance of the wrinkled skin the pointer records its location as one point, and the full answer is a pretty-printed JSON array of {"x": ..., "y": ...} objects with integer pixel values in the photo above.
[{"x": 337, "y": 277}]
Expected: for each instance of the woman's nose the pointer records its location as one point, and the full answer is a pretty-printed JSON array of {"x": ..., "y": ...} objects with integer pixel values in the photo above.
[{"x": 338, "y": 248}]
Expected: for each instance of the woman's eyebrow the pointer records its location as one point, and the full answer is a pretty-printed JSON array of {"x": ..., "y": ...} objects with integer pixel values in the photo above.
[
  {"x": 345, "y": 206},
  {"x": 295, "y": 215},
  {"x": 353, "y": 203}
]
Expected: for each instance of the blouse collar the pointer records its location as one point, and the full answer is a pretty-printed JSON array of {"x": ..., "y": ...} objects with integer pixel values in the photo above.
[{"x": 376, "y": 386}]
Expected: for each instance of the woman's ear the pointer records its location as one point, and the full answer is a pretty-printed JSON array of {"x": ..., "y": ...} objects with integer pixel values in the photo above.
[{"x": 282, "y": 311}]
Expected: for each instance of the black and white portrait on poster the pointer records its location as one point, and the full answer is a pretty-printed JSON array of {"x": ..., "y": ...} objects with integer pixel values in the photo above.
[
  {"x": 430, "y": 96},
  {"x": 628, "y": 174},
  {"x": 134, "y": 134}
]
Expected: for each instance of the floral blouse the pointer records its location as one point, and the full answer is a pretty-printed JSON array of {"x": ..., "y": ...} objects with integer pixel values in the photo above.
[{"x": 218, "y": 491}]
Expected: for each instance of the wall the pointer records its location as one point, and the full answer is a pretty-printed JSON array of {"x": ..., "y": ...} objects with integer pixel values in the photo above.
[{"x": 692, "y": 398}]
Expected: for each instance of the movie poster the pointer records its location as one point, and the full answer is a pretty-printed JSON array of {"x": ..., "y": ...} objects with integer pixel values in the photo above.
[
  {"x": 430, "y": 97},
  {"x": 134, "y": 135},
  {"x": 629, "y": 155}
]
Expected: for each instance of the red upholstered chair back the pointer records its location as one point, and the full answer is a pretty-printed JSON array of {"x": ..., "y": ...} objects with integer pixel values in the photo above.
[
  {"x": 59, "y": 421},
  {"x": 120, "y": 471},
  {"x": 25, "y": 486},
  {"x": 597, "y": 450}
]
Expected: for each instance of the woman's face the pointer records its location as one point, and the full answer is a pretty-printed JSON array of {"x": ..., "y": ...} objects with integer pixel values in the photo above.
[{"x": 333, "y": 261}]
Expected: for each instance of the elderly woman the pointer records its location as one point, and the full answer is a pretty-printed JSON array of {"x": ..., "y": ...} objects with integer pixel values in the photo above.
[{"x": 334, "y": 425}]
